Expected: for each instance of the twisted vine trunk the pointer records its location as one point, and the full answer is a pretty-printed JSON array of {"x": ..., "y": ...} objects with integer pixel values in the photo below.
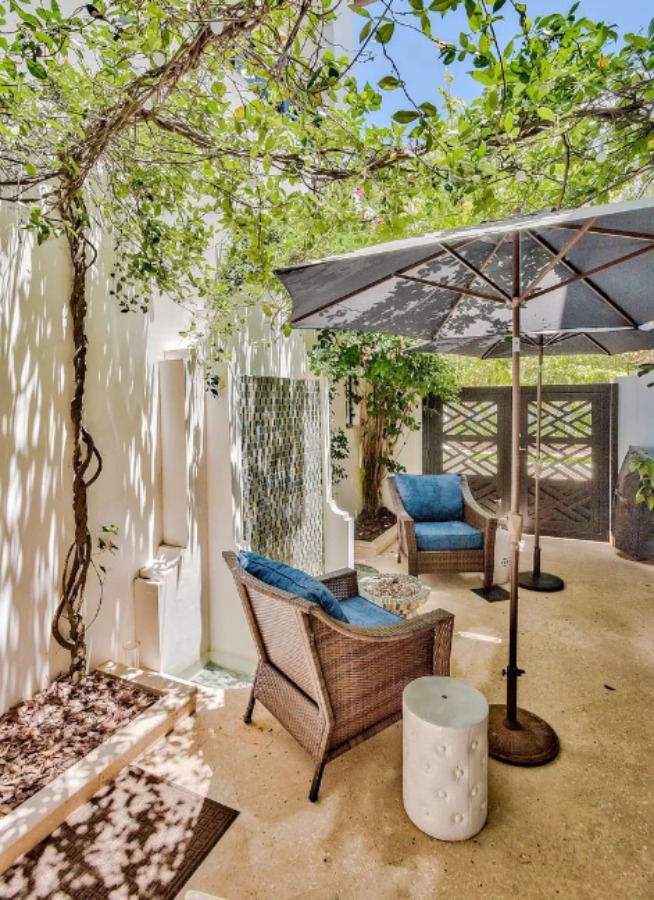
[
  {"x": 68, "y": 627},
  {"x": 379, "y": 437},
  {"x": 372, "y": 467}
]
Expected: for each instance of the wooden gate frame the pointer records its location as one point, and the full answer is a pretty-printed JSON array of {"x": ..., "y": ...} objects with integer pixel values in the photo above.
[{"x": 604, "y": 398}]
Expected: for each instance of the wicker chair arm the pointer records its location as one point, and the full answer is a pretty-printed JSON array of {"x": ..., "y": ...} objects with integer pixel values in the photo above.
[
  {"x": 398, "y": 506},
  {"x": 343, "y": 583},
  {"x": 474, "y": 514},
  {"x": 406, "y": 532}
]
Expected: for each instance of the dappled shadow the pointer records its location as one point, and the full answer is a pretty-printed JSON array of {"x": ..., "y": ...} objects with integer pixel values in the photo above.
[
  {"x": 34, "y": 482},
  {"x": 137, "y": 838}
]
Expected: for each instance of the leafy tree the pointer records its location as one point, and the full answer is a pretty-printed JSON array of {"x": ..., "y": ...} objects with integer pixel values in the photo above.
[
  {"x": 159, "y": 124},
  {"x": 387, "y": 383},
  {"x": 556, "y": 369}
]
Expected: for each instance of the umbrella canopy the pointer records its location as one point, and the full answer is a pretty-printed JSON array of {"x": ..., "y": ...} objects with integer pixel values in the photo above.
[{"x": 582, "y": 270}]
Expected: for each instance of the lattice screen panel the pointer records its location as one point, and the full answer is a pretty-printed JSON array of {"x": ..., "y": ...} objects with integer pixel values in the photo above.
[
  {"x": 479, "y": 458},
  {"x": 472, "y": 419},
  {"x": 570, "y": 462},
  {"x": 473, "y": 436},
  {"x": 562, "y": 419}
]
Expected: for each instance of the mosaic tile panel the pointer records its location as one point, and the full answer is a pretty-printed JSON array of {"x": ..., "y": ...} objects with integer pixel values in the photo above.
[{"x": 281, "y": 459}]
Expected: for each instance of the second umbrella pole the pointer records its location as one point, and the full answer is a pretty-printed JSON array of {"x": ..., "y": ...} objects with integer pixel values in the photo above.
[{"x": 537, "y": 580}]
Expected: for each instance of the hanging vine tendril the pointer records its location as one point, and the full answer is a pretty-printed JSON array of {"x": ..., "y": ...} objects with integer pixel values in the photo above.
[{"x": 68, "y": 627}]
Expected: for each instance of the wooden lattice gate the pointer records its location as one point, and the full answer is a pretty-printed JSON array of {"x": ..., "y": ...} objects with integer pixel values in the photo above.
[{"x": 473, "y": 436}]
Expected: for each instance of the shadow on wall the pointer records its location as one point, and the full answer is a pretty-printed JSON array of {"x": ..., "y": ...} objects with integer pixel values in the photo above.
[
  {"x": 35, "y": 522},
  {"x": 121, "y": 414}
]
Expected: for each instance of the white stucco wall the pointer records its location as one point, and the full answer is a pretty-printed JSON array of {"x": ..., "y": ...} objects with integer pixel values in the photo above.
[
  {"x": 635, "y": 413},
  {"x": 122, "y": 414}
]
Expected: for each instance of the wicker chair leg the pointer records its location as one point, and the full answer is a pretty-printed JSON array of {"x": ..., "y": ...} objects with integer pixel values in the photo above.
[
  {"x": 247, "y": 718},
  {"x": 315, "y": 784}
]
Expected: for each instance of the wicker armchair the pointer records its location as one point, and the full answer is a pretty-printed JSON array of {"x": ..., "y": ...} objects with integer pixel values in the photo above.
[
  {"x": 333, "y": 685},
  {"x": 447, "y": 561}
]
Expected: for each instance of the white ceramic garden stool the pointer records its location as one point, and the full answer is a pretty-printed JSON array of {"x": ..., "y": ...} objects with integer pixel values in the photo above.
[{"x": 445, "y": 757}]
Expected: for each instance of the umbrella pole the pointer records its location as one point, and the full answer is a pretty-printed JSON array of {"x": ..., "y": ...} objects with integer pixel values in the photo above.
[
  {"x": 537, "y": 580},
  {"x": 516, "y": 736}
]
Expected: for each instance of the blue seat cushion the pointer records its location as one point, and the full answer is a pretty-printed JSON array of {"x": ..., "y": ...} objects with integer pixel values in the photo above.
[
  {"x": 360, "y": 611},
  {"x": 431, "y": 498},
  {"x": 448, "y": 536},
  {"x": 294, "y": 581}
]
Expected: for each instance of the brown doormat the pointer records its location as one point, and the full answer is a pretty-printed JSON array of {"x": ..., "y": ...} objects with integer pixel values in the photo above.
[{"x": 139, "y": 838}]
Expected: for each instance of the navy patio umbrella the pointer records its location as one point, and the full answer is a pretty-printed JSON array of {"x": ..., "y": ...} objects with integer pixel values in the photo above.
[{"x": 588, "y": 269}]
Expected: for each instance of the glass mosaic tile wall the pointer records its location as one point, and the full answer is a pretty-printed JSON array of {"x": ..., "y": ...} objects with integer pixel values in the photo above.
[{"x": 281, "y": 457}]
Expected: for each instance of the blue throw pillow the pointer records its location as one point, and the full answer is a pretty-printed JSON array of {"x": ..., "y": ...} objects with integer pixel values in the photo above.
[
  {"x": 294, "y": 581},
  {"x": 431, "y": 498}
]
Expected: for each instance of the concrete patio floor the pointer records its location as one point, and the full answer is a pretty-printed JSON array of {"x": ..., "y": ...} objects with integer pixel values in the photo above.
[{"x": 580, "y": 827}]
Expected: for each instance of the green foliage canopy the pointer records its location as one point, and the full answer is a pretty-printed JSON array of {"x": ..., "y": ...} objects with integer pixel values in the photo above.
[{"x": 386, "y": 382}]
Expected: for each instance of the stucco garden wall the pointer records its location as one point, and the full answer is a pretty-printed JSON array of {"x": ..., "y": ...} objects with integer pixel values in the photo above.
[
  {"x": 122, "y": 413},
  {"x": 635, "y": 413},
  {"x": 171, "y": 482}
]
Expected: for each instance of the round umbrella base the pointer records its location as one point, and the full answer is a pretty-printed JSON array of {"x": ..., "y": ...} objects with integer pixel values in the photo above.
[
  {"x": 542, "y": 582},
  {"x": 532, "y": 743}
]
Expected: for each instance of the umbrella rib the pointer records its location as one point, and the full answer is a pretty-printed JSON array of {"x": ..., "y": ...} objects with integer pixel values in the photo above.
[
  {"x": 583, "y": 277},
  {"x": 458, "y": 300},
  {"x": 610, "y": 232},
  {"x": 559, "y": 256},
  {"x": 477, "y": 272},
  {"x": 601, "y": 349},
  {"x": 428, "y": 259},
  {"x": 452, "y": 288}
]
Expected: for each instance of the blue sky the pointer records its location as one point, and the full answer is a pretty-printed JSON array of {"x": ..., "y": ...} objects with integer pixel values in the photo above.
[{"x": 424, "y": 73}]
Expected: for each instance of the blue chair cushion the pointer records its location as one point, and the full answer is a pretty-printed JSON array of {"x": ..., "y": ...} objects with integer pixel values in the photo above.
[
  {"x": 448, "y": 536},
  {"x": 431, "y": 498},
  {"x": 294, "y": 581},
  {"x": 360, "y": 611}
]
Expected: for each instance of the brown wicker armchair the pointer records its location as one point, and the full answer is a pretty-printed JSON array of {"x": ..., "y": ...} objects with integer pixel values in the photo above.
[
  {"x": 333, "y": 685},
  {"x": 447, "y": 561}
]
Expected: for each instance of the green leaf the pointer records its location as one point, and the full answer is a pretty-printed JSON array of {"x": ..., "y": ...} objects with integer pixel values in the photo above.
[
  {"x": 547, "y": 114},
  {"x": 508, "y": 121},
  {"x": 404, "y": 116},
  {"x": 385, "y": 32},
  {"x": 389, "y": 83},
  {"x": 428, "y": 109},
  {"x": 30, "y": 168},
  {"x": 36, "y": 68}
]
